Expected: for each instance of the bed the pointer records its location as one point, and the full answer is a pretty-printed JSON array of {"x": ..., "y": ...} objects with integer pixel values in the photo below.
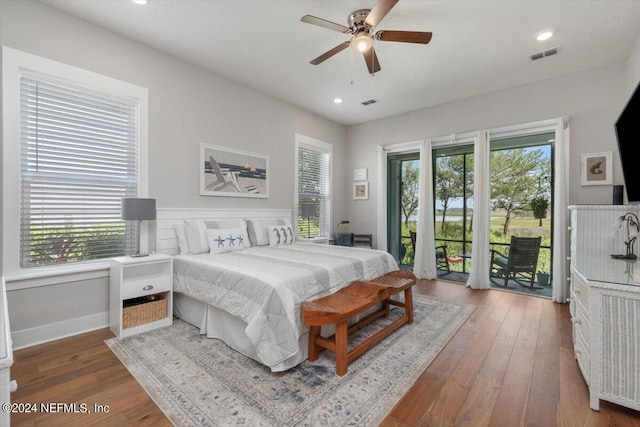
[{"x": 250, "y": 298}]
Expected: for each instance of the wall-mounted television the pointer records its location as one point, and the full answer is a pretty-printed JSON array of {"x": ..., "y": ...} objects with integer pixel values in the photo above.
[{"x": 628, "y": 134}]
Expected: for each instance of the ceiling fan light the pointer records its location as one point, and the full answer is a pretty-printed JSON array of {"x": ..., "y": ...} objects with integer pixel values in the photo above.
[{"x": 361, "y": 43}]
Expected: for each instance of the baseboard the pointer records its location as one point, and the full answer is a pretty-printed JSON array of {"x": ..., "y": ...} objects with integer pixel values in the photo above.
[{"x": 55, "y": 331}]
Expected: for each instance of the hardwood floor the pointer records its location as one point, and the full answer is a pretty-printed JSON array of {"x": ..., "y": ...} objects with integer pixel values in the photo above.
[{"x": 510, "y": 364}]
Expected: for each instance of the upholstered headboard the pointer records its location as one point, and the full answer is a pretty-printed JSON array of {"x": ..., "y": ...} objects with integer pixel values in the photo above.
[{"x": 166, "y": 240}]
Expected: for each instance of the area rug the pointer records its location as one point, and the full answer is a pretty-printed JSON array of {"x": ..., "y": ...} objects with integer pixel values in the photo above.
[{"x": 198, "y": 381}]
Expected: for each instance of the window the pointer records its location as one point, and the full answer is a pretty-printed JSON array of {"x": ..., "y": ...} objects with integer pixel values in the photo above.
[
  {"x": 78, "y": 156},
  {"x": 313, "y": 184},
  {"x": 74, "y": 146}
]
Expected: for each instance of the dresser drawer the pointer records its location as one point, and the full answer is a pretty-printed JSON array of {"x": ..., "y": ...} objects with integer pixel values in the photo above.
[
  {"x": 581, "y": 327},
  {"x": 580, "y": 291},
  {"x": 582, "y": 355},
  {"x": 142, "y": 287}
]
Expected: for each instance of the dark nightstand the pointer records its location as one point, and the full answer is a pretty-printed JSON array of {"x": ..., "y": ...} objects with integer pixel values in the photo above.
[{"x": 361, "y": 240}]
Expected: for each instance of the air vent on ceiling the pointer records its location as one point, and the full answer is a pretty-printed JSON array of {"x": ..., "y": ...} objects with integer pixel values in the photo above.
[
  {"x": 544, "y": 53},
  {"x": 371, "y": 101}
]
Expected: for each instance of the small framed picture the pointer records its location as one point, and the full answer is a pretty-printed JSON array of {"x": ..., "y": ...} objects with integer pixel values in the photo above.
[
  {"x": 360, "y": 174},
  {"x": 360, "y": 190},
  {"x": 597, "y": 169}
]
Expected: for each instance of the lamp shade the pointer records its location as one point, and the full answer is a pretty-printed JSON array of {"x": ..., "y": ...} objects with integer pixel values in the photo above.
[
  {"x": 308, "y": 210},
  {"x": 138, "y": 209}
]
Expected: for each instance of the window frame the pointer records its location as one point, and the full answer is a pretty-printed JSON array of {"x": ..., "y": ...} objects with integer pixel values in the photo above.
[
  {"x": 302, "y": 141},
  {"x": 15, "y": 64}
]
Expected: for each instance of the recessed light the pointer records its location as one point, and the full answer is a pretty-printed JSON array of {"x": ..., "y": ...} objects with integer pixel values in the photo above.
[
  {"x": 140, "y": 1},
  {"x": 337, "y": 100},
  {"x": 544, "y": 35}
]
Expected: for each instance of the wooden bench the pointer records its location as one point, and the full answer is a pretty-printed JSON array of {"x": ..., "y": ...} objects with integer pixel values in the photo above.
[{"x": 337, "y": 308}]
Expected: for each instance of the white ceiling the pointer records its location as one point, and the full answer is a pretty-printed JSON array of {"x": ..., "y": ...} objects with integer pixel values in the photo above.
[{"x": 477, "y": 46}]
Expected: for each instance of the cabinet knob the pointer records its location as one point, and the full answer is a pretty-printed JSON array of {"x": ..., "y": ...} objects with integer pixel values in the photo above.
[
  {"x": 147, "y": 288},
  {"x": 577, "y": 321}
]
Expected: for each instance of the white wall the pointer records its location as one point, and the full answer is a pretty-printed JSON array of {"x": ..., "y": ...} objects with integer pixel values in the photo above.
[
  {"x": 632, "y": 70},
  {"x": 591, "y": 99},
  {"x": 187, "y": 106}
]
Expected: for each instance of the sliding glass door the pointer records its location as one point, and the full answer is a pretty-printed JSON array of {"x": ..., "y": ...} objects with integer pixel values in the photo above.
[
  {"x": 521, "y": 198},
  {"x": 453, "y": 191},
  {"x": 517, "y": 189},
  {"x": 403, "y": 189}
]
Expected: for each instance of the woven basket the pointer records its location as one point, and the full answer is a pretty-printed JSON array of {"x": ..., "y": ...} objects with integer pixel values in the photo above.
[{"x": 144, "y": 313}]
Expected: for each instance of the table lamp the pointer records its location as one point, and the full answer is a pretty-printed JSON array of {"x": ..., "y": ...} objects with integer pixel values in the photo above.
[{"x": 134, "y": 209}]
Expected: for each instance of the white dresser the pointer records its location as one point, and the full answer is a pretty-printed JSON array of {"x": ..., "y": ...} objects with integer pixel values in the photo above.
[{"x": 605, "y": 307}]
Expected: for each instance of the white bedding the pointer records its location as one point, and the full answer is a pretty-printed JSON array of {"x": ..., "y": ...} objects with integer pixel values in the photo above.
[{"x": 264, "y": 286}]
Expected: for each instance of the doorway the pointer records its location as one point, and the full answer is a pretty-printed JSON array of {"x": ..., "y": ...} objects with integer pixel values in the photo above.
[
  {"x": 403, "y": 181},
  {"x": 521, "y": 177}
]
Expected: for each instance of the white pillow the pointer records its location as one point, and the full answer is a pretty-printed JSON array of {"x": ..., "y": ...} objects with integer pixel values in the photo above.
[
  {"x": 258, "y": 229},
  {"x": 196, "y": 233},
  {"x": 182, "y": 239},
  {"x": 225, "y": 240},
  {"x": 281, "y": 235}
]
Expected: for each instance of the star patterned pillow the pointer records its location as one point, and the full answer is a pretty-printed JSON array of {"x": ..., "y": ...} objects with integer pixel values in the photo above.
[{"x": 225, "y": 240}]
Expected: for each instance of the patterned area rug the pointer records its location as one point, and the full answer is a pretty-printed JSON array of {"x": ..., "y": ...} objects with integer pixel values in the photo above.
[{"x": 198, "y": 381}]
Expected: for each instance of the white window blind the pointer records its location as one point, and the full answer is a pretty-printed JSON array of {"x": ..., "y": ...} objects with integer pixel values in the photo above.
[
  {"x": 78, "y": 159},
  {"x": 314, "y": 187}
]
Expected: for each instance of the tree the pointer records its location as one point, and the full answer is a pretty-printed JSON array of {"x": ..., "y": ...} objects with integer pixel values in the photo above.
[
  {"x": 515, "y": 178},
  {"x": 410, "y": 190},
  {"x": 448, "y": 181}
]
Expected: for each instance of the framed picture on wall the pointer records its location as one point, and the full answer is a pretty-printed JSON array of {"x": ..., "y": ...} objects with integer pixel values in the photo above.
[
  {"x": 597, "y": 169},
  {"x": 360, "y": 174},
  {"x": 360, "y": 190},
  {"x": 233, "y": 173}
]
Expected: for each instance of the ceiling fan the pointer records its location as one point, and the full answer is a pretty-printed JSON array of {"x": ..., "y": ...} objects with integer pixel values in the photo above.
[{"x": 361, "y": 25}]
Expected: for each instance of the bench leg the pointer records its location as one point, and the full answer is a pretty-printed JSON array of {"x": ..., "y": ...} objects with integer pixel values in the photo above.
[
  {"x": 341, "y": 348},
  {"x": 408, "y": 302},
  {"x": 314, "y": 349}
]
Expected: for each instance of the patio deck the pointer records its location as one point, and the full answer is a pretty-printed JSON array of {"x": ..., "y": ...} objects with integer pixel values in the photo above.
[{"x": 513, "y": 286}]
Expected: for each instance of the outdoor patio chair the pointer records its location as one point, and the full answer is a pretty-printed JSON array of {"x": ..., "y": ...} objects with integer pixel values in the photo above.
[
  {"x": 224, "y": 177},
  {"x": 442, "y": 259},
  {"x": 519, "y": 265}
]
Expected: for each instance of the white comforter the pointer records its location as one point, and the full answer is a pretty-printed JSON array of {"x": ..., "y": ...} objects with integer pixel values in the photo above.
[{"x": 265, "y": 286}]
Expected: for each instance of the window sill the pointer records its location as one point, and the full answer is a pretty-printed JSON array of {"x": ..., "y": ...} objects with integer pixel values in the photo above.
[
  {"x": 46, "y": 276},
  {"x": 313, "y": 240}
]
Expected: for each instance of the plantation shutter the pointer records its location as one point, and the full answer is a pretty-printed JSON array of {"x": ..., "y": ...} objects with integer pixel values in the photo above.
[
  {"x": 78, "y": 160},
  {"x": 314, "y": 187}
]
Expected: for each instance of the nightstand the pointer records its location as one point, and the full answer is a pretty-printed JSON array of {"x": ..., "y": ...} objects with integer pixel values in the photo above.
[{"x": 141, "y": 297}]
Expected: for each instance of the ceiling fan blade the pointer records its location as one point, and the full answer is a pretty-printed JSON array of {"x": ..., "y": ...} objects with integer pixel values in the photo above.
[
  {"x": 314, "y": 20},
  {"x": 328, "y": 54},
  {"x": 371, "y": 59},
  {"x": 422, "y": 37},
  {"x": 379, "y": 11}
]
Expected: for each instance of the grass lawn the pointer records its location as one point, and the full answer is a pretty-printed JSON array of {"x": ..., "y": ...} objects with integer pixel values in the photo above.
[{"x": 523, "y": 226}]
